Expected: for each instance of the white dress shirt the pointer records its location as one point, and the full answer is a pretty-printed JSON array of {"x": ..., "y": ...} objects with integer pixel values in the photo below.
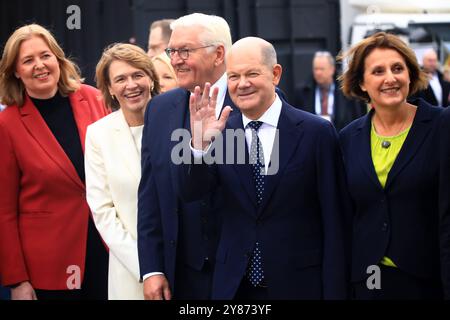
[
  {"x": 223, "y": 86},
  {"x": 266, "y": 132},
  {"x": 436, "y": 87}
]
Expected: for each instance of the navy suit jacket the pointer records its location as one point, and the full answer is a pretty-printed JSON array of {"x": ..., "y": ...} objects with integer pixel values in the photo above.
[
  {"x": 299, "y": 225},
  {"x": 429, "y": 96},
  {"x": 401, "y": 220},
  {"x": 167, "y": 225},
  {"x": 444, "y": 194}
]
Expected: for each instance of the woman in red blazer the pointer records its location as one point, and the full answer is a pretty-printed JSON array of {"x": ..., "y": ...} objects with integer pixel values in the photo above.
[{"x": 49, "y": 248}]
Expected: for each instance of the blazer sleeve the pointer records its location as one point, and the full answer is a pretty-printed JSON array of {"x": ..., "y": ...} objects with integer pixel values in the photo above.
[
  {"x": 336, "y": 215},
  {"x": 119, "y": 240},
  {"x": 12, "y": 263}
]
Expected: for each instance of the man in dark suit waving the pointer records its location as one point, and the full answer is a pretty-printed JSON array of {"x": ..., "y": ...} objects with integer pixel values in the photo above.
[
  {"x": 177, "y": 240},
  {"x": 283, "y": 224}
]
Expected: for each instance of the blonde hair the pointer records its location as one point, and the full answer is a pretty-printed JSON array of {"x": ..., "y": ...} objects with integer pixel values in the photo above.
[
  {"x": 131, "y": 54},
  {"x": 166, "y": 60},
  {"x": 11, "y": 88}
]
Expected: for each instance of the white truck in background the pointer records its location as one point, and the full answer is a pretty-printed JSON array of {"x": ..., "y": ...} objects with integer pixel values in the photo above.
[{"x": 422, "y": 24}]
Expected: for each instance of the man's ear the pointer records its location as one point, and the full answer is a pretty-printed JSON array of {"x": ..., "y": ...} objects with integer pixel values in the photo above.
[
  {"x": 220, "y": 55},
  {"x": 277, "y": 70}
]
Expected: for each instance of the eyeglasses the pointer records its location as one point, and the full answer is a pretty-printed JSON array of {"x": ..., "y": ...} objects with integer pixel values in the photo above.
[{"x": 183, "y": 53}]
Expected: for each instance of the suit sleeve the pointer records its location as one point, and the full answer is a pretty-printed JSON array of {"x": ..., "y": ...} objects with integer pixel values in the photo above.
[
  {"x": 336, "y": 215},
  {"x": 444, "y": 202},
  {"x": 12, "y": 263},
  {"x": 119, "y": 240},
  {"x": 149, "y": 229}
]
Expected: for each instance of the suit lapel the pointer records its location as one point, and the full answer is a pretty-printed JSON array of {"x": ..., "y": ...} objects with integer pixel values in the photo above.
[
  {"x": 38, "y": 128},
  {"x": 289, "y": 135},
  {"x": 126, "y": 145},
  {"x": 362, "y": 142},
  {"x": 81, "y": 113},
  {"x": 417, "y": 134}
]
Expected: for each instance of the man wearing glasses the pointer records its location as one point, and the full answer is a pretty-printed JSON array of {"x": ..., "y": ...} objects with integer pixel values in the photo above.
[{"x": 177, "y": 240}]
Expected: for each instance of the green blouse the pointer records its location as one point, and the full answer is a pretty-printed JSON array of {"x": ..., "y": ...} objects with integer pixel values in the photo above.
[{"x": 384, "y": 152}]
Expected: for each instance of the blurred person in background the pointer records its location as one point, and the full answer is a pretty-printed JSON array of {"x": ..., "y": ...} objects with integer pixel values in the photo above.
[
  {"x": 158, "y": 37},
  {"x": 438, "y": 89},
  {"x": 166, "y": 74},
  {"x": 322, "y": 95}
]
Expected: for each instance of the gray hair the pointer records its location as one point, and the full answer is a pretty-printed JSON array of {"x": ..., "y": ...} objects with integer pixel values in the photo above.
[
  {"x": 325, "y": 54},
  {"x": 268, "y": 54},
  {"x": 216, "y": 29}
]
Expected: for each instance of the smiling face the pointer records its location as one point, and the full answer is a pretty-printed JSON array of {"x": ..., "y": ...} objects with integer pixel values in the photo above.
[
  {"x": 251, "y": 83},
  {"x": 130, "y": 86},
  {"x": 199, "y": 67},
  {"x": 386, "y": 78},
  {"x": 38, "y": 68}
]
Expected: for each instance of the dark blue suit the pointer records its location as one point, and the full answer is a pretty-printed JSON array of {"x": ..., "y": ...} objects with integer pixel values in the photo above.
[
  {"x": 399, "y": 221},
  {"x": 174, "y": 237},
  {"x": 299, "y": 225},
  {"x": 444, "y": 201}
]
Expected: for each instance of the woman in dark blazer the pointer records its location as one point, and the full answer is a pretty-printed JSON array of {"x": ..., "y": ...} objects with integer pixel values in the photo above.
[
  {"x": 49, "y": 247},
  {"x": 392, "y": 173}
]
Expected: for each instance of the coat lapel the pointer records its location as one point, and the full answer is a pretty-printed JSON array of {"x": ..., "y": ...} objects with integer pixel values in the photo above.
[
  {"x": 289, "y": 135},
  {"x": 362, "y": 142},
  {"x": 38, "y": 128},
  {"x": 417, "y": 134},
  {"x": 177, "y": 120},
  {"x": 125, "y": 142},
  {"x": 81, "y": 113}
]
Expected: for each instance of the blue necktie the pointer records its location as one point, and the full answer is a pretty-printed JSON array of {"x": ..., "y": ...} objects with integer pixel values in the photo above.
[{"x": 255, "y": 272}]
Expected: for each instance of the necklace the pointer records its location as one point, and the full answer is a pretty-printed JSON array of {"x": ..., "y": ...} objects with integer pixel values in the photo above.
[{"x": 385, "y": 144}]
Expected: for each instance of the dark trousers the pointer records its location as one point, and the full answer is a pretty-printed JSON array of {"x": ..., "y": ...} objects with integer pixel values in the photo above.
[
  {"x": 193, "y": 284},
  {"x": 247, "y": 291},
  {"x": 398, "y": 285}
]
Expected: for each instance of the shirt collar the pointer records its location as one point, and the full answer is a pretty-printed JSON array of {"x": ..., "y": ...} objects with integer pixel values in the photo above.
[
  {"x": 269, "y": 117},
  {"x": 222, "y": 85}
]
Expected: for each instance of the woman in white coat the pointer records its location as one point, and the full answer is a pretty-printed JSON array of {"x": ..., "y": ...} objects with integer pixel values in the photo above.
[{"x": 127, "y": 79}]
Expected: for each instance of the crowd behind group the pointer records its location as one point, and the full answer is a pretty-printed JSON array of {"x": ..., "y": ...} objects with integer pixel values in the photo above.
[{"x": 341, "y": 191}]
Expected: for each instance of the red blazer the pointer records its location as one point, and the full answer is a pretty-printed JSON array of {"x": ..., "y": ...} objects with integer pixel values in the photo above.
[{"x": 43, "y": 209}]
